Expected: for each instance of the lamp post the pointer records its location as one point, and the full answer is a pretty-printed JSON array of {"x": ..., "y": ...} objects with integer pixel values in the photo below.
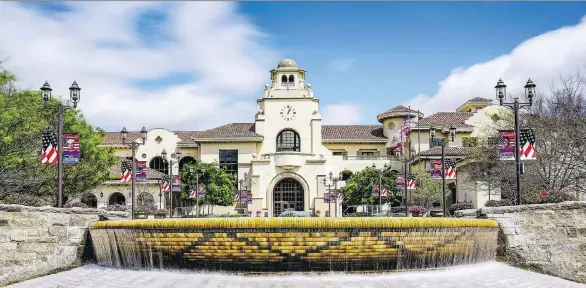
[
  {"x": 74, "y": 96},
  {"x": 335, "y": 181},
  {"x": 191, "y": 171},
  {"x": 380, "y": 186},
  {"x": 243, "y": 184},
  {"x": 133, "y": 146},
  {"x": 176, "y": 155},
  {"x": 329, "y": 185},
  {"x": 501, "y": 93},
  {"x": 442, "y": 143},
  {"x": 159, "y": 180}
]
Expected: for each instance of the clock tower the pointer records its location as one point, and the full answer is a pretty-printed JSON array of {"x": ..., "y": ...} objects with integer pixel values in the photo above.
[{"x": 288, "y": 104}]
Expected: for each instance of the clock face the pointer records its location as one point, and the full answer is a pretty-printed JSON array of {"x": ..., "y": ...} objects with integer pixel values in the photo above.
[{"x": 288, "y": 113}]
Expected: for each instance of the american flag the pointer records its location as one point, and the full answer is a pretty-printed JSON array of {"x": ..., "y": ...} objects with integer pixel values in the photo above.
[
  {"x": 411, "y": 182},
  {"x": 49, "y": 155},
  {"x": 527, "y": 141},
  {"x": 192, "y": 194},
  {"x": 165, "y": 186},
  {"x": 450, "y": 169},
  {"x": 385, "y": 192},
  {"x": 126, "y": 169},
  {"x": 340, "y": 196}
]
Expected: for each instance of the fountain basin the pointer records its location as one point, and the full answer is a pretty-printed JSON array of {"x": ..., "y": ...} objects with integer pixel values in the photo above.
[{"x": 294, "y": 244}]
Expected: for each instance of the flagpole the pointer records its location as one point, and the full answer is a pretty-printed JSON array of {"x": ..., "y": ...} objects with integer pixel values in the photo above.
[
  {"x": 418, "y": 134},
  {"x": 133, "y": 172},
  {"x": 60, "y": 155}
]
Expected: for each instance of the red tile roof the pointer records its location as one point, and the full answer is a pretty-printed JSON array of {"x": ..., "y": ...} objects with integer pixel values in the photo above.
[
  {"x": 232, "y": 130},
  {"x": 439, "y": 119},
  {"x": 352, "y": 132},
  {"x": 114, "y": 138},
  {"x": 397, "y": 112}
]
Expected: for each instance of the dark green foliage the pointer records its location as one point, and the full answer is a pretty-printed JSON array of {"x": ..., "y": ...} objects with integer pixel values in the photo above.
[
  {"x": 358, "y": 188},
  {"x": 23, "y": 178}
]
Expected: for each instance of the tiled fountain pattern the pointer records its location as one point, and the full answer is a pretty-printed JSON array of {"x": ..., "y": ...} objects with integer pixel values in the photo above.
[
  {"x": 483, "y": 275},
  {"x": 295, "y": 249}
]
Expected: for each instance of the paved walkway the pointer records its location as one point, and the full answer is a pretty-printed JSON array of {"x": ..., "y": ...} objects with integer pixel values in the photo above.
[{"x": 486, "y": 275}]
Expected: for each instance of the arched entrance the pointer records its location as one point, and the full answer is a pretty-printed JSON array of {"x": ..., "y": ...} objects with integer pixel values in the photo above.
[
  {"x": 287, "y": 194},
  {"x": 117, "y": 198},
  {"x": 90, "y": 200}
]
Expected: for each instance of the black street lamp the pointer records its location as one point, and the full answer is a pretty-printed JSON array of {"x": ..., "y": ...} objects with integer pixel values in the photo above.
[
  {"x": 133, "y": 147},
  {"x": 442, "y": 143},
  {"x": 380, "y": 186},
  {"x": 501, "y": 94},
  {"x": 74, "y": 96},
  {"x": 191, "y": 172},
  {"x": 177, "y": 156},
  {"x": 335, "y": 181},
  {"x": 243, "y": 183}
]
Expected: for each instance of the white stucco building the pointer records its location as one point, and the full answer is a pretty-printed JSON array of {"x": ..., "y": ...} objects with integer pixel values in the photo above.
[{"x": 286, "y": 151}]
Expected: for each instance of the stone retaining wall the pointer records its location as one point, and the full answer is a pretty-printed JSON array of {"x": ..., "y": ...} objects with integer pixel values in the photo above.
[
  {"x": 549, "y": 238},
  {"x": 36, "y": 241}
]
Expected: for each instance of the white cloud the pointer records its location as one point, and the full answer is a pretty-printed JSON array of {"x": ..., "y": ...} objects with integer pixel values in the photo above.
[
  {"x": 341, "y": 65},
  {"x": 341, "y": 114},
  {"x": 96, "y": 45},
  {"x": 542, "y": 58}
]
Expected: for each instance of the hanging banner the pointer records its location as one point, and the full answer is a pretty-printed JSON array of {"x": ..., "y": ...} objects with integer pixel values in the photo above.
[
  {"x": 176, "y": 187},
  {"x": 141, "y": 171},
  {"x": 411, "y": 183},
  {"x": 450, "y": 169},
  {"x": 243, "y": 196},
  {"x": 201, "y": 190},
  {"x": 400, "y": 181},
  {"x": 70, "y": 148},
  {"x": 506, "y": 145},
  {"x": 192, "y": 194},
  {"x": 332, "y": 195},
  {"x": 326, "y": 197},
  {"x": 249, "y": 197},
  {"x": 375, "y": 190},
  {"x": 436, "y": 169},
  {"x": 527, "y": 142}
]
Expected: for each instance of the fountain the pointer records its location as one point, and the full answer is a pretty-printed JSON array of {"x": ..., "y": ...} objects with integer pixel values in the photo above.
[{"x": 294, "y": 244}]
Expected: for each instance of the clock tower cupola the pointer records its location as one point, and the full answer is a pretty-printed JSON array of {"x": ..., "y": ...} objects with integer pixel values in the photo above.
[{"x": 288, "y": 81}]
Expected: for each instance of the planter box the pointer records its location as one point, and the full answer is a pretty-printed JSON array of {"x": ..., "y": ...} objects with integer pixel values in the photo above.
[{"x": 141, "y": 215}]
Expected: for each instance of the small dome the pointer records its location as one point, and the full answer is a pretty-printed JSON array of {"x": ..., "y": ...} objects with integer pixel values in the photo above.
[{"x": 287, "y": 63}]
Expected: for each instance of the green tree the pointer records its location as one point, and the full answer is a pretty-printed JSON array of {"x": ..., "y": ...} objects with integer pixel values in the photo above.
[
  {"x": 358, "y": 189},
  {"x": 220, "y": 186},
  {"x": 23, "y": 178},
  {"x": 428, "y": 190}
]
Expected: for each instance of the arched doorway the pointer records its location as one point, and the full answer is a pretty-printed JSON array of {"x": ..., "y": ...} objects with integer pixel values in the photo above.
[
  {"x": 117, "y": 198},
  {"x": 288, "y": 194},
  {"x": 90, "y": 200}
]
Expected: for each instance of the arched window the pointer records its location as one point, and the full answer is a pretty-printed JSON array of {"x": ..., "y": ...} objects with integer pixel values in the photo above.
[
  {"x": 186, "y": 160},
  {"x": 346, "y": 175},
  {"x": 284, "y": 80},
  {"x": 158, "y": 164},
  {"x": 288, "y": 140},
  {"x": 291, "y": 80}
]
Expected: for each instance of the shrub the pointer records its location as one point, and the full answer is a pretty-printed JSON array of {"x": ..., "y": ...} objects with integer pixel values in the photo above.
[
  {"x": 291, "y": 213},
  {"x": 75, "y": 204},
  {"x": 502, "y": 202},
  {"x": 417, "y": 209},
  {"x": 555, "y": 196},
  {"x": 161, "y": 212},
  {"x": 116, "y": 207},
  {"x": 145, "y": 209},
  {"x": 460, "y": 206}
]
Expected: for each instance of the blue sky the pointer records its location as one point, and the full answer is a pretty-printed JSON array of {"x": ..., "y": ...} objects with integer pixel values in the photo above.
[
  {"x": 361, "y": 57},
  {"x": 401, "y": 49}
]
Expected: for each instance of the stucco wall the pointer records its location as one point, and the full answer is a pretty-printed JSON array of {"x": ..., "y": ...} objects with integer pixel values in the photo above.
[
  {"x": 35, "y": 241},
  {"x": 550, "y": 238}
]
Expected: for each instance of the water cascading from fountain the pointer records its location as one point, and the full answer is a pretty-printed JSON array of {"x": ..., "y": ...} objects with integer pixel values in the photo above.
[{"x": 294, "y": 244}]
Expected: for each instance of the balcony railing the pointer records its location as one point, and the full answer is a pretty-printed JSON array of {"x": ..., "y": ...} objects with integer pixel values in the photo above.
[{"x": 369, "y": 157}]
